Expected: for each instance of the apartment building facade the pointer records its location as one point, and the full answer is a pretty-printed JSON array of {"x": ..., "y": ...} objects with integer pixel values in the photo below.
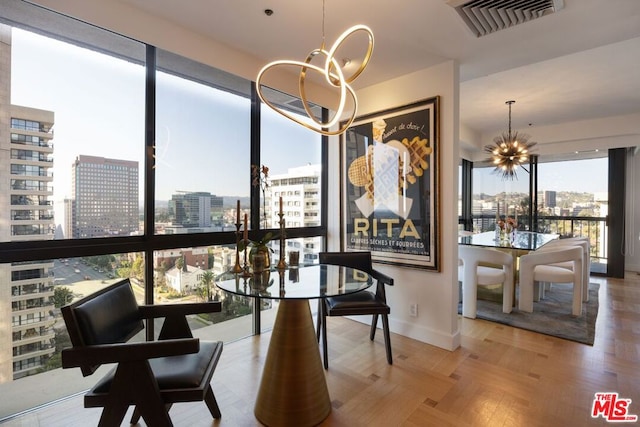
[
  {"x": 27, "y": 338},
  {"x": 299, "y": 189}
]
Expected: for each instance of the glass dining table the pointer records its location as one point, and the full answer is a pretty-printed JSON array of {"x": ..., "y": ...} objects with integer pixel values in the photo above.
[
  {"x": 293, "y": 389},
  {"x": 525, "y": 241},
  {"x": 517, "y": 243}
]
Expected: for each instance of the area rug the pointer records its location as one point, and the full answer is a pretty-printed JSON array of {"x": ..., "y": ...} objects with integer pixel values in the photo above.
[{"x": 551, "y": 315}]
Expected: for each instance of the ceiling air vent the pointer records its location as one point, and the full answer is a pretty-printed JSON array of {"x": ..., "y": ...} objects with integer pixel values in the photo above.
[{"x": 487, "y": 16}]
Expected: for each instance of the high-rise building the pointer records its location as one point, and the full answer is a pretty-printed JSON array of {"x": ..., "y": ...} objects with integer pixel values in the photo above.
[
  {"x": 68, "y": 207},
  {"x": 26, "y": 214},
  {"x": 105, "y": 197},
  {"x": 549, "y": 199},
  {"x": 194, "y": 212},
  {"x": 300, "y": 191}
]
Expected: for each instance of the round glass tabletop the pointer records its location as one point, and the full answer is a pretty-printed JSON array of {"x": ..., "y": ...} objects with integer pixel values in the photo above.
[{"x": 304, "y": 282}]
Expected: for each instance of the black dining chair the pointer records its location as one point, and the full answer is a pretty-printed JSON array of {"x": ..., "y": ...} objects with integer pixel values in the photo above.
[
  {"x": 359, "y": 303},
  {"x": 150, "y": 375}
]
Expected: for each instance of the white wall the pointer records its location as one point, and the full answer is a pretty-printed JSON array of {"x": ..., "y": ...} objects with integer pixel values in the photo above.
[{"x": 436, "y": 293}]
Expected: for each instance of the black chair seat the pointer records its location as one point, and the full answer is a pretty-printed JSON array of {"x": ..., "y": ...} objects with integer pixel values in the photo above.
[
  {"x": 175, "y": 372},
  {"x": 354, "y": 304}
]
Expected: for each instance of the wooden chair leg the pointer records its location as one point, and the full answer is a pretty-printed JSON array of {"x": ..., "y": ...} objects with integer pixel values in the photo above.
[
  {"x": 113, "y": 414},
  {"x": 374, "y": 325},
  {"x": 212, "y": 404},
  {"x": 387, "y": 338},
  {"x": 145, "y": 394},
  {"x": 135, "y": 417}
]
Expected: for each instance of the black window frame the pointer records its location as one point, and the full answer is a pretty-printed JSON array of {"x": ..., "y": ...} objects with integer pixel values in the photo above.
[{"x": 70, "y": 30}]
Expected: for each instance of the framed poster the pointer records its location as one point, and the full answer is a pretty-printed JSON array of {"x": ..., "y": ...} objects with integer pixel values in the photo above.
[{"x": 390, "y": 187}]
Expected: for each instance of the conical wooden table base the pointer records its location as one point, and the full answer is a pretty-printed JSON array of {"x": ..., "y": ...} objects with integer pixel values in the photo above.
[{"x": 293, "y": 390}]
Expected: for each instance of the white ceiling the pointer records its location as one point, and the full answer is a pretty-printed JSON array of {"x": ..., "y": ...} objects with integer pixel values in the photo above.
[{"x": 579, "y": 63}]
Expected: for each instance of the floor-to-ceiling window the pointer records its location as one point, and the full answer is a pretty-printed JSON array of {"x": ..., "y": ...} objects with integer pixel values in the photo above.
[
  {"x": 201, "y": 185},
  {"x": 291, "y": 190},
  {"x": 572, "y": 199},
  {"x": 493, "y": 196},
  {"x": 126, "y": 161},
  {"x": 74, "y": 165},
  {"x": 293, "y": 157}
]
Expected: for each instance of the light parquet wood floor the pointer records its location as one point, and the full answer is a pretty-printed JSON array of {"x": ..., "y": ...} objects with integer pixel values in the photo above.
[{"x": 500, "y": 376}]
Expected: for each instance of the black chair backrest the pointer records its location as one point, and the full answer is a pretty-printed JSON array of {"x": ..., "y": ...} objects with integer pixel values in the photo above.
[
  {"x": 107, "y": 316},
  {"x": 358, "y": 260}
]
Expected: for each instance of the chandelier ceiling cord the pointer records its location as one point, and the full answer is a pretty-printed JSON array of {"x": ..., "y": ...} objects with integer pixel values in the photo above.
[
  {"x": 509, "y": 151},
  {"x": 334, "y": 75}
]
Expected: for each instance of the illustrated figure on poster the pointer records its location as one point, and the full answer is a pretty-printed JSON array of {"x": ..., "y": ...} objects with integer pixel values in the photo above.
[{"x": 386, "y": 170}]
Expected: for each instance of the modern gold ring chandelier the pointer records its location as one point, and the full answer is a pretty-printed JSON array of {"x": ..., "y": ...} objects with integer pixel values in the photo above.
[
  {"x": 333, "y": 74},
  {"x": 509, "y": 151}
]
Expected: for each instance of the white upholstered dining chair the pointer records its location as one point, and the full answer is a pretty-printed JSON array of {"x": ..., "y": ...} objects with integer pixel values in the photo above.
[
  {"x": 473, "y": 274},
  {"x": 586, "y": 264},
  {"x": 539, "y": 266}
]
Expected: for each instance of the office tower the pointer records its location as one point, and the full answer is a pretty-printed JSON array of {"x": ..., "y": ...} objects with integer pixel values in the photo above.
[
  {"x": 193, "y": 212},
  {"x": 300, "y": 192},
  {"x": 105, "y": 194},
  {"x": 549, "y": 199}
]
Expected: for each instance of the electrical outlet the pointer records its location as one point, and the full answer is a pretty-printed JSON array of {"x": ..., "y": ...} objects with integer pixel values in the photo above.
[{"x": 413, "y": 310}]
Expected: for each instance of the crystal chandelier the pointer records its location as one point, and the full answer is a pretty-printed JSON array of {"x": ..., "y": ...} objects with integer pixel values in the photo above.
[{"x": 509, "y": 151}]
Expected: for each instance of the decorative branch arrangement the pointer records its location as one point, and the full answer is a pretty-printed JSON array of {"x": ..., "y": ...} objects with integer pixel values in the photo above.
[{"x": 281, "y": 263}]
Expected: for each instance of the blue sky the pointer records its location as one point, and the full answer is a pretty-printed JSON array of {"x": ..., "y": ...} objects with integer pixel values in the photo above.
[
  {"x": 202, "y": 136},
  {"x": 584, "y": 176}
]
